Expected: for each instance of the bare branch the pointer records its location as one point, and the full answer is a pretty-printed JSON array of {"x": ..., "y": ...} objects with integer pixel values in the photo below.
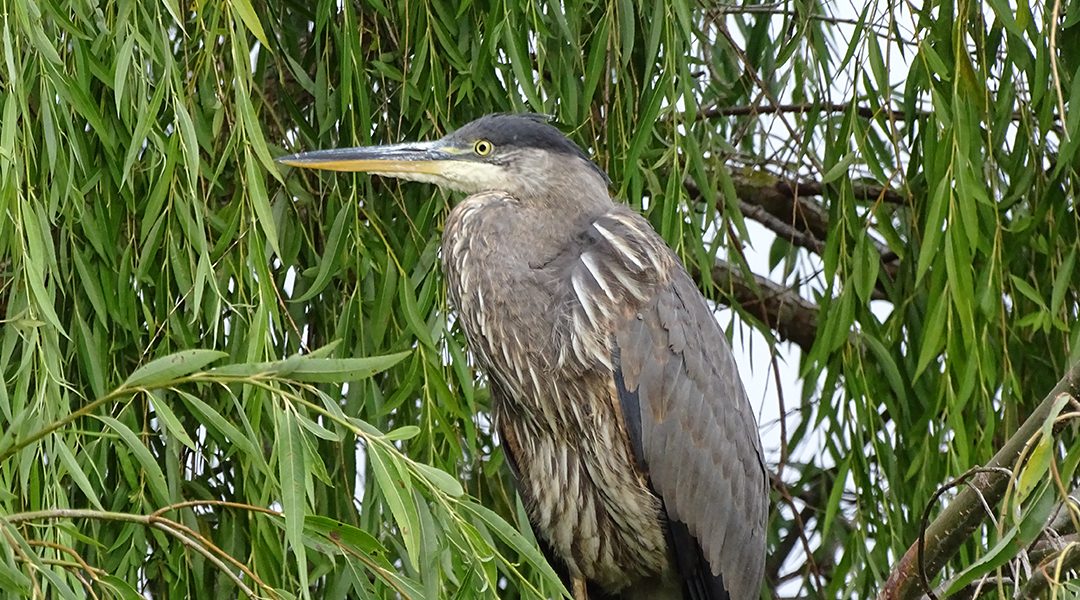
[
  {"x": 781, "y": 228},
  {"x": 783, "y": 310},
  {"x": 861, "y": 190},
  {"x": 794, "y": 216},
  {"x": 774, "y": 197},
  {"x": 865, "y": 112},
  {"x": 783, "y": 207}
]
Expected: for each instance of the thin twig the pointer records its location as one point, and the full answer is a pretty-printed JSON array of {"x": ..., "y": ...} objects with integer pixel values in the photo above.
[
  {"x": 184, "y": 534},
  {"x": 1067, "y": 559},
  {"x": 1054, "y": 16},
  {"x": 167, "y": 526},
  {"x": 800, "y": 527},
  {"x": 69, "y": 418},
  {"x": 239, "y": 505},
  {"x": 93, "y": 571}
]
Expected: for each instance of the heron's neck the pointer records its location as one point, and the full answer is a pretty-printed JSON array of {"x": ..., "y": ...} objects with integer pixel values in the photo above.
[{"x": 575, "y": 190}]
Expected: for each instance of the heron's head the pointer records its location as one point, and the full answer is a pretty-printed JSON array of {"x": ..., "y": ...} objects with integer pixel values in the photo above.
[{"x": 520, "y": 154}]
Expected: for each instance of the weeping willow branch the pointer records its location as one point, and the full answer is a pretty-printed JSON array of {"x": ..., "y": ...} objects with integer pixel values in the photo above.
[
  {"x": 954, "y": 526},
  {"x": 183, "y": 534}
]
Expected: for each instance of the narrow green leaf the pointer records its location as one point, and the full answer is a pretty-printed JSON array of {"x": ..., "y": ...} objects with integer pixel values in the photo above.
[
  {"x": 40, "y": 255},
  {"x": 167, "y": 368},
  {"x": 13, "y": 580},
  {"x": 511, "y": 536},
  {"x": 877, "y": 63},
  {"x": 120, "y": 73},
  {"x": 354, "y": 537},
  {"x": 43, "y": 44},
  {"x": 396, "y": 491},
  {"x": 935, "y": 221},
  {"x": 1038, "y": 462},
  {"x": 121, "y": 588},
  {"x": 597, "y": 57},
  {"x": 865, "y": 273},
  {"x": 440, "y": 479},
  {"x": 60, "y": 587},
  {"x": 218, "y": 424},
  {"x": 933, "y": 334},
  {"x": 174, "y": 11},
  {"x": 934, "y": 61},
  {"x": 330, "y": 254},
  {"x": 1036, "y": 513},
  {"x": 67, "y": 458},
  {"x": 151, "y": 471},
  {"x": 405, "y": 432},
  {"x": 138, "y": 142},
  {"x": 318, "y": 431},
  {"x": 840, "y": 169},
  {"x": 1029, "y": 292},
  {"x": 996, "y": 556},
  {"x": 344, "y": 369},
  {"x": 303, "y": 368},
  {"x": 358, "y": 541},
  {"x": 1062, "y": 279},
  {"x": 190, "y": 140},
  {"x": 1034, "y": 472},
  {"x": 832, "y": 506},
  {"x": 522, "y": 67},
  {"x": 627, "y": 30},
  {"x": 251, "y": 20},
  {"x": 294, "y": 476},
  {"x": 655, "y": 25},
  {"x": 260, "y": 202},
  {"x": 1003, "y": 10},
  {"x": 168, "y": 419},
  {"x": 887, "y": 365},
  {"x": 416, "y": 321}
]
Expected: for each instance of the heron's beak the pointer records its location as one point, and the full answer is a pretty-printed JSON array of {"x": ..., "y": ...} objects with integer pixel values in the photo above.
[{"x": 400, "y": 160}]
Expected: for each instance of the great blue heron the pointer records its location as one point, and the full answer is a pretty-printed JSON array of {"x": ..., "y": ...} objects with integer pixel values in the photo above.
[{"x": 615, "y": 394}]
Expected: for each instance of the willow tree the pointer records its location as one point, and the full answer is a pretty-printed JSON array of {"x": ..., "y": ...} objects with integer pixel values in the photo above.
[{"x": 220, "y": 377}]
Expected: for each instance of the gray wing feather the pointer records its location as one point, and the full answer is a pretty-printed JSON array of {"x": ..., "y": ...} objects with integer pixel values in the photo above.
[
  {"x": 698, "y": 437},
  {"x": 688, "y": 419}
]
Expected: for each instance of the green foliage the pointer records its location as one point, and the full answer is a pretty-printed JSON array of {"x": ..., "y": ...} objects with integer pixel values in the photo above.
[{"x": 220, "y": 378}]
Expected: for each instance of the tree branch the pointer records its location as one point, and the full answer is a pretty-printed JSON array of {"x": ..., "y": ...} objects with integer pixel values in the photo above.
[
  {"x": 786, "y": 201},
  {"x": 782, "y": 228},
  {"x": 954, "y": 526},
  {"x": 1053, "y": 569},
  {"x": 865, "y": 112},
  {"x": 782, "y": 207},
  {"x": 793, "y": 318},
  {"x": 1048, "y": 548}
]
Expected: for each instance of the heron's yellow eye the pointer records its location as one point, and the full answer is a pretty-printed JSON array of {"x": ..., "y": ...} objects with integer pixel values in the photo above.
[{"x": 483, "y": 147}]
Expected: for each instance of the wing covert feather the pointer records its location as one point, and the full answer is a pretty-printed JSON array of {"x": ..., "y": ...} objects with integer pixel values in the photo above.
[{"x": 697, "y": 437}]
